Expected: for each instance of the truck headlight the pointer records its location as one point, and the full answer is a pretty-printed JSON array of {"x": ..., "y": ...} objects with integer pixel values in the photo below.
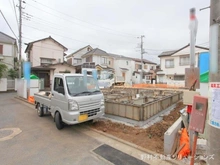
[
  {"x": 102, "y": 102},
  {"x": 72, "y": 105}
]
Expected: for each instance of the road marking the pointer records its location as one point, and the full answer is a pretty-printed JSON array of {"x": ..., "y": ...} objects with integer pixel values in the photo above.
[{"x": 15, "y": 131}]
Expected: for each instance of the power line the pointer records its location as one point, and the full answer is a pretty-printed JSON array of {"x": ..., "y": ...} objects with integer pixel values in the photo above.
[
  {"x": 15, "y": 12},
  {"x": 55, "y": 27},
  {"x": 47, "y": 44},
  {"x": 78, "y": 23},
  {"x": 13, "y": 9},
  {"x": 81, "y": 19},
  {"x": 8, "y": 25},
  {"x": 58, "y": 34}
]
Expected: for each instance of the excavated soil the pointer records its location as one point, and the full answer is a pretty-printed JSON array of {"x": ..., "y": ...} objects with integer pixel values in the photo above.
[{"x": 151, "y": 138}]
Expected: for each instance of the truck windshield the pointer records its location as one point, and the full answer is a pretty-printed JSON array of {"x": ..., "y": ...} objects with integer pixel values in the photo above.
[{"x": 77, "y": 85}]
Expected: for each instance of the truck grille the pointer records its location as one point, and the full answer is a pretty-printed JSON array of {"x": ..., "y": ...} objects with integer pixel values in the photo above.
[
  {"x": 84, "y": 106},
  {"x": 90, "y": 112}
]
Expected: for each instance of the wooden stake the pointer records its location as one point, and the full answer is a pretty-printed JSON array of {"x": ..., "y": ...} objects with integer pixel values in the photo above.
[{"x": 194, "y": 148}]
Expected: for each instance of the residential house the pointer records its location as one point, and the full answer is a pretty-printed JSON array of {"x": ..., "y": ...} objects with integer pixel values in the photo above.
[
  {"x": 123, "y": 67},
  {"x": 47, "y": 57},
  {"x": 75, "y": 58},
  {"x": 173, "y": 63},
  {"x": 8, "y": 52},
  {"x": 100, "y": 59},
  {"x": 107, "y": 63},
  {"x": 147, "y": 67}
]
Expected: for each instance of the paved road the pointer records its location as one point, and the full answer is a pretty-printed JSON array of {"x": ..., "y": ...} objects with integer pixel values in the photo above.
[{"x": 40, "y": 142}]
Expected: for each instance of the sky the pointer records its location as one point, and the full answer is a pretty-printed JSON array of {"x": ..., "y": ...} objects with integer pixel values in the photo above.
[{"x": 114, "y": 26}]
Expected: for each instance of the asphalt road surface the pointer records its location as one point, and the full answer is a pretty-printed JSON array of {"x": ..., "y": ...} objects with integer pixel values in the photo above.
[{"x": 36, "y": 140}]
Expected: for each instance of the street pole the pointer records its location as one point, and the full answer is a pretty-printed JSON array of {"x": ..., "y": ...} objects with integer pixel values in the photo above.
[
  {"x": 20, "y": 40},
  {"x": 213, "y": 143},
  {"x": 193, "y": 31},
  {"x": 142, "y": 52}
]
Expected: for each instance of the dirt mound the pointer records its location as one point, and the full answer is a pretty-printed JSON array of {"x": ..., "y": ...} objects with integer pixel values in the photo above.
[{"x": 151, "y": 138}]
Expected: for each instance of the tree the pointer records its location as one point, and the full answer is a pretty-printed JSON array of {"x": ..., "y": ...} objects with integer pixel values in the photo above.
[
  {"x": 3, "y": 68},
  {"x": 12, "y": 73}
]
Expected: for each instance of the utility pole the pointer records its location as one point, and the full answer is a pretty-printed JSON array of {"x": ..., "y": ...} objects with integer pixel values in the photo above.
[
  {"x": 142, "y": 52},
  {"x": 20, "y": 40},
  {"x": 213, "y": 143},
  {"x": 193, "y": 31}
]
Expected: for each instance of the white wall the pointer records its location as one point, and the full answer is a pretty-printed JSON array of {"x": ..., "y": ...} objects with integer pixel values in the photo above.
[
  {"x": 79, "y": 55},
  {"x": 22, "y": 88},
  {"x": 7, "y": 50},
  {"x": 178, "y": 69},
  {"x": 3, "y": 84},
  {"x": 122, "y": 63},
  {"x": 46, "y": 49},
  {"x": 60, "y": 67}
]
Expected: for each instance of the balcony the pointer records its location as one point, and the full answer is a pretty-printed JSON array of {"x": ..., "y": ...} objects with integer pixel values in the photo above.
[{"x": 88, "y": 65}]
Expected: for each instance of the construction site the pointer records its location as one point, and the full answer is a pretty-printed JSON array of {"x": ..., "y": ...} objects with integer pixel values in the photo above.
[{"x": 151, "y": 118}]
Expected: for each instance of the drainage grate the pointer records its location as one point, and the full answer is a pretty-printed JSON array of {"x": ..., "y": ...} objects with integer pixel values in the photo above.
[{"x": 117, "y": 157}]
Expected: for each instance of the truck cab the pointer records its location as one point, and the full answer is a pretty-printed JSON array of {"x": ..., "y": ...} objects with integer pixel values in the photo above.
[{"x": 74, "y": 98}]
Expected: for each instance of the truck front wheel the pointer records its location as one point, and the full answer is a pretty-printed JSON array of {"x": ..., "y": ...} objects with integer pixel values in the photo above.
[{"x": 58, "y": 121}]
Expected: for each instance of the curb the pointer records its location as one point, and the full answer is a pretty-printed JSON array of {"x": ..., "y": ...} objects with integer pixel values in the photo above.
[
  {"x": 133, "y": 145},
  {"x": 24, "y": 100}
]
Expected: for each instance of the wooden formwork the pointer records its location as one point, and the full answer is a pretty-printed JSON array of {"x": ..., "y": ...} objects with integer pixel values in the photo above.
[{"x": 141, "y": 112}]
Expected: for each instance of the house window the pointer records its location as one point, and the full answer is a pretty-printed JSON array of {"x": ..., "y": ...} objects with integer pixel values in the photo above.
[
  {"x": 88, "y": 49},
  {"x": 89, "y": 59},
  {"x": 145, "y": 67},
  {"x": 1, "y": 49},
  {"x": 103, "y": 60},
  {"x": 46, "y": 61},
  {"x": 77, "y": 60},
  {"x": 179, "y": 77},
  {"x": 184, "y": 60},
  {"x": 109, "y": 62},
  {"x": 127, "y": 62},
  {"x": 169, "y": 63}
]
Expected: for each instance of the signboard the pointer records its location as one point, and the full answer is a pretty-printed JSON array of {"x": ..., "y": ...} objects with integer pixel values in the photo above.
[
  {"x": 27, "y": 72},
  {"x": 214, "y": 104},
  {"x": 192, "y": 74},
  {"x": 198, "y": 114}
]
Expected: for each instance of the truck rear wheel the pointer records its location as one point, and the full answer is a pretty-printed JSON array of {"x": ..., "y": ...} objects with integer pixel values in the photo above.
[
  {"x": 40, "y": 111},
  {"x": 58, "y": 121}
]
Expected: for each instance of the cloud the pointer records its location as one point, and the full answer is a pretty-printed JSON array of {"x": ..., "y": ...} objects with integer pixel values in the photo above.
[{"x": 111, "y": 25}]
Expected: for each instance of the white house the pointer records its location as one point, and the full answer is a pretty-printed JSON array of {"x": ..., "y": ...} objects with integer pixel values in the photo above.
[
  {"x": 123, "y": 66},
  {"x": 173, "y": 63},
  {"x": 47, "y": 57},
  {"x": 75, "y": 58},
  {"x": 8, "y": 51}
]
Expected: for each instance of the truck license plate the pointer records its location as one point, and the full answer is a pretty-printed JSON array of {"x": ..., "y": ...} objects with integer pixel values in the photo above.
[{"x": 83, "y": 117}]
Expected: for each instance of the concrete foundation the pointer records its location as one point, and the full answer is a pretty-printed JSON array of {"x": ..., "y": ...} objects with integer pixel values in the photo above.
[{"x": 125, "y": 103}]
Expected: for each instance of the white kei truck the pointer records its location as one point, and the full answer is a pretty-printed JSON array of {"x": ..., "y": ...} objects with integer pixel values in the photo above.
[{"x": 74, "y": 98}]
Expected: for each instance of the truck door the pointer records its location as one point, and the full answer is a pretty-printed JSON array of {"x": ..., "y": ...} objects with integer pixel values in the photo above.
[{"x": 59, "y": 100}]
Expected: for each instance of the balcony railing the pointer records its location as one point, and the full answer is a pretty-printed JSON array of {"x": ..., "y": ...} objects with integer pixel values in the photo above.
[{"x": 88, "y": 65}]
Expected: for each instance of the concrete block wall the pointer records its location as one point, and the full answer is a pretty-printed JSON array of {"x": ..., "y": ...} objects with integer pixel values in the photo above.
[{"x": 170, "y": 135}]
